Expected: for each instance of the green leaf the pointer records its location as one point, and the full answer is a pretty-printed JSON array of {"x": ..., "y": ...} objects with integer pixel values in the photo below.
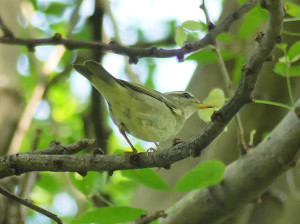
[
  {"x": 56, "y": 8},
  {"x": 292, "y": 9},
  {"x": 294, "y": 52},
  {"x": 180, "y": 36},
  {"x": 280, "y": 69},
  {"x": 208, "y": 56},
  {"x": 49, "y": 182},
  {"x": 282, "y": 46},
  {"x": 146, "y": 177},
  {"x": 110, "y": 215},
  {"x": 192, "y": 25},
  {"x": 237, "y": 73},
  {"x": 241, "y": 1},
  {"x": 252, "y": 22},
  {"x": 205, "y": 174},
  {"x": 225, "y": 37},
  {"x": 59, "y": 27},
  {"x": 284, "y": 59},
  {"x": 216, "y": 98},
  {"x": 252, "y": 133},
  {"x": 34, "y": 3},
  {"x": 92, "y": 182}
]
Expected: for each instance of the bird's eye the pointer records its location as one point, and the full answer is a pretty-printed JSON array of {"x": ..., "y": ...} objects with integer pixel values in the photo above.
[{"x": 186, "y": 95}]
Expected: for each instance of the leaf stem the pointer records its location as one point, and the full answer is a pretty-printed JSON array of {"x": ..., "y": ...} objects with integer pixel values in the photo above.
[
  {"x": 290, "y": 33},
  {"x": 229, "y": 87},
  {"x": 287, "y": 71},
  {"x": 267, "y": 102}
]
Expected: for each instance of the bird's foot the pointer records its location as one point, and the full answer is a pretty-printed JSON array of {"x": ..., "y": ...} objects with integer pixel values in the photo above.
[
  {"x": 134, "y": 152},
  {"x": 151, "y": 150},
  {"x": 133, "y": 156}
]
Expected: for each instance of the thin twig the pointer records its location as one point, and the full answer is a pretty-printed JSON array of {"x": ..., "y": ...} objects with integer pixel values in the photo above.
[
  {"x": 291, "y": 33},
  {"x": 136, "y": 52},
  {"x": 229, "y": 87},
  {"x": 6, "y": 31},
  {"x": 26, "y": 118},
  {"x": 56, "y": 148},
  {"x": 287, "y": 73},
  {"x": 36, "y": 140},
  {"x": 209, "y": 23},
  {"x": 30, "y": 205},
  {"x": 226, "y": 77},
  {"x": 132, "y": 76}
]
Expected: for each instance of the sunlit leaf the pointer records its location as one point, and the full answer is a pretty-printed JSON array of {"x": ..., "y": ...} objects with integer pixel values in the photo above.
[
  {"x": 146, "y": 177},
  {"x": 252, "y": 22},
  {"x": 63, "y": 104},
  {"x": 208, "y": 56},
  {"x": 192, "y": 25},
  {"x": 225, "y": 37},
  {"x": 282, "y": 46},
  {"x": 205, "y": 174},
  {"x": 34, "y": 3},
  {"x": 180, "y": 36},
  {"x": 56, "y": 8},
  {"x": 110, "y": 215},
  {"x": 292, "y": 9},
  {"x": 284, "y": 60},
  {"x": 252, "y": 134},
  {"x": 294, "y": 52},
  {"x": 215, "y": 98},
  {"x": 193, "y": 36},
  {"x": 59, "y": 27},
  {"x": 293, "y": 71}
]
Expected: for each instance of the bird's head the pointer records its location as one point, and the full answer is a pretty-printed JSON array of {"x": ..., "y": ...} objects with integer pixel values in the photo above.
[{"x": 186, "y": 102}]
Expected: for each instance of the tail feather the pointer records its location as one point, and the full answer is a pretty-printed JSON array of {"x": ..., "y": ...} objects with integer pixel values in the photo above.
[
  {"x": 83, "y": 71},
  {"x": 93, "y": 71},
  {"x": 104, "y": 82},
  {"x": 99, "y": 71}
]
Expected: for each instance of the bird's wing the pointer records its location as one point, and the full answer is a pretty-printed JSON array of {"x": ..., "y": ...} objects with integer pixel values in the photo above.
[{"x": 148, "y": 91}]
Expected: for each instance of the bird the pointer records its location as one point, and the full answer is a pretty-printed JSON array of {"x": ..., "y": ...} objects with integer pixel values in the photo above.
[{"x": 140, "y": 111}]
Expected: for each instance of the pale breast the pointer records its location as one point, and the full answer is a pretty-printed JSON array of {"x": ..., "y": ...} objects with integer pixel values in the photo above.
[{"x": 146, "y": 118}]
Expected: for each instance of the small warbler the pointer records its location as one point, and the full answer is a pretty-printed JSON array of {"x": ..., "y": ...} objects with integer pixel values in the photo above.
[{"x": 138, "y": 110}]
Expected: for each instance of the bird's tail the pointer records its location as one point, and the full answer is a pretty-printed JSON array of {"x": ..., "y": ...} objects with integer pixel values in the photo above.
[
  {"x": 104, "y": 82},
  {"x": 93, "y": 72}
]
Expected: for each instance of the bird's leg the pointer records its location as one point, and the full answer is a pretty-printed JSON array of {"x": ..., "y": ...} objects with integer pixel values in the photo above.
[
  {"x": 122, "y": 131},
  {"x": 147, "y": 133}
]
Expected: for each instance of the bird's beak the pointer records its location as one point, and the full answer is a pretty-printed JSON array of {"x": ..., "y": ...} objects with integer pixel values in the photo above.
[{"x": 203, "y": 106}]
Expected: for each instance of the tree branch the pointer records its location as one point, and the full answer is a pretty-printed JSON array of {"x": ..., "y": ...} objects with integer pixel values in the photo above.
[
  {"x": 145, "y": 219},
  {"x": 56, "y": 148},
  {"x": 134, "y": 52},
  {"x": 245, "y": 179},
  {"x": 30, "y": 205}
]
